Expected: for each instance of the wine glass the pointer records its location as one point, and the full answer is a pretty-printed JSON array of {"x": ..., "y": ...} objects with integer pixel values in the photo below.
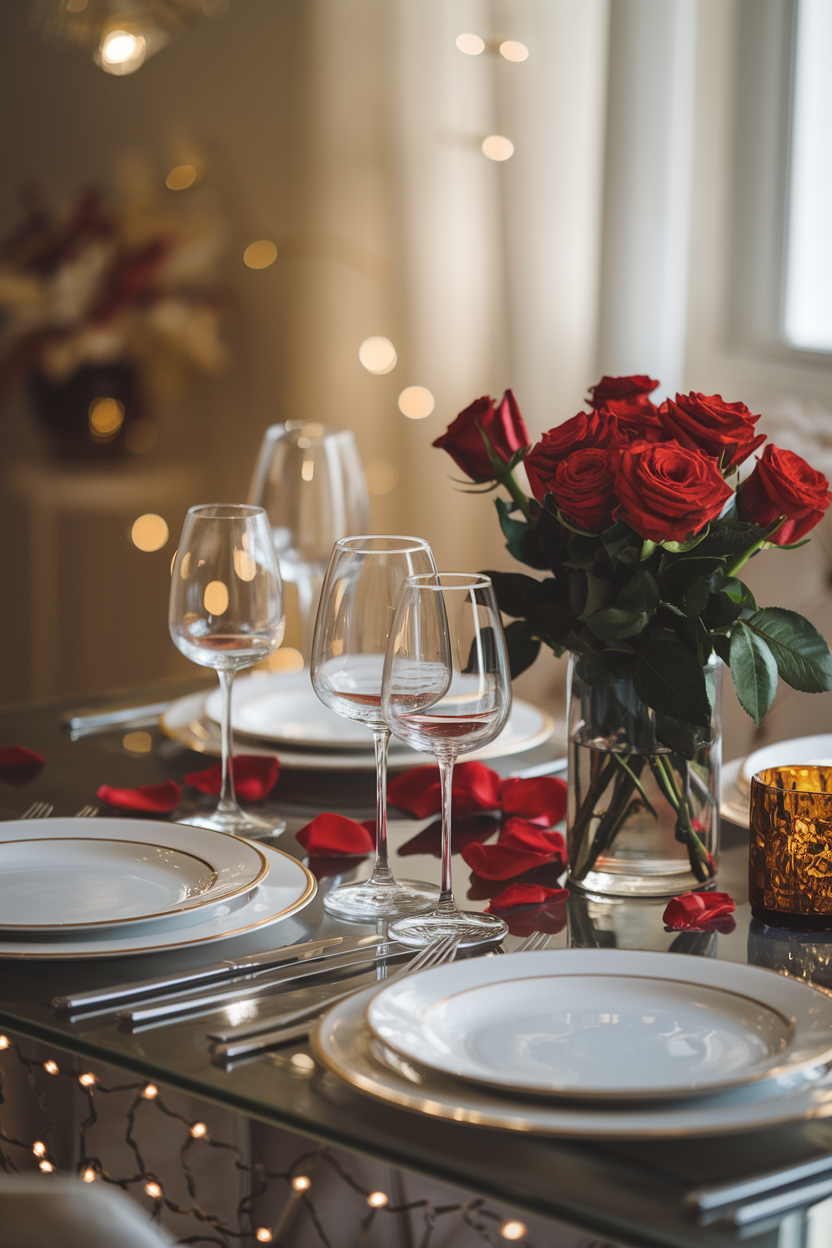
[
  {"x": 310, "y": 479},
  {"x": 226, "y": 612},
  {"x": 446, "y": 689},
  {"x": 358, "y": 599}
]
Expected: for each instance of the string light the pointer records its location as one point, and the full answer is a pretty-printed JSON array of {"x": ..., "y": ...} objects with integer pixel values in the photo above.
[
  {"x": 263, "y": 1235},
  {"x": 89, "y": 1175},
  {"x": 4, "y": 1042},
  {"x": 50, "y": 1067},
  {"x": 513, "y": 1230},
  {"x": 150, "y": 1092},
  {"x": 198, "y": 1130},
  {"x": 46, "y": 1167},
  {"x": 38, "y": 1148},
  {"x": 153, "y": 1189},
  {"x": 121, "y": 52},
  {"x": 377, "y": 1200},
  {"x": 301, "y": 1183},
  {"x": 87, "y": 1080}
]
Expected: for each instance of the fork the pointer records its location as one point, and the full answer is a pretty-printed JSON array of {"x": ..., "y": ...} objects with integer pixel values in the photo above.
[
  {"x": 86, "y": 812},
  {"x": 289, "y": 1027},
  {"x": 38, "y": 810},
  {"x": 537, "y": 940}
]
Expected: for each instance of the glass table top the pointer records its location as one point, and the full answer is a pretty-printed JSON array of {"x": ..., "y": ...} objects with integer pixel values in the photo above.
[{"x": 630, "y": 1193}]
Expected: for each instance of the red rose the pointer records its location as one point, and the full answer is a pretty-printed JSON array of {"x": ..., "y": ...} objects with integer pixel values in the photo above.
[
  {"x": 611, "y": 388},
  {"x": 504, "y": 426},
  {"x": 666, "y": 492},
  {"x": 703, "y": 422},
  {"x": 582, "y": 486},
  {"x": 595, "y": 429},
  {"x": 636, "y": 418},
  {"x": 783, "y": 484}
]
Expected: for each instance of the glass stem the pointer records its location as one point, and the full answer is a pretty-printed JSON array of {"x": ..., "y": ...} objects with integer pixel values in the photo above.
[
  {"x": 382, "y": 873},
  {"x": 227, "y": 804},
  {"x": 446, "y": 904}
]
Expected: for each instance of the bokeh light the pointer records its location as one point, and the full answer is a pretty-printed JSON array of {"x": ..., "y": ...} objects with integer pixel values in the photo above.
[
  {"x": 136, "y": 743},
  {"x": 106, "y": 417},
  {"x": 199, "y": 1130},
  {"x": 260, "y": 255},
  {"x": 140, "y": 437},
  {"x": 286, "y": 659},
  {"x": 180, "y": 178},
  {"x": 215, "y": 598},
  {"x": 149, "y": 532},
  {"x": 381, "y": 477},
  {"x": 153, "y": 1189},
  {"x": 301, "y": 1183},
  {"x": 121, "y": 52},
  {"x": 244, "y": 565},
  {"x": 514, "y": 51},
  {"x": 263, "y": 1235},
  {"x": 416, "y": 402},
  {"x": 513, "y": 1230},
  {"x": 377, "y": 1200},
  {"x": 89, "y": 1175},
  {"x": 471, "y": 45},
  {"x": 497, "y": 147},
  {"x": 378, "y": 355}
]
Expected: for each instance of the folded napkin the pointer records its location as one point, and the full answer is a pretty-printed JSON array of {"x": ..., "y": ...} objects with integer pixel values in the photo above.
[
  {"x": 159, "y": 798},
  {"x": 529, "y": 908},
  {"x": 475, "y": 788},
  {"x": 521, "y": 846},
  {"x": 255, "y": 775},
  {"x": 474, "y": 828},
  {"x": 329, "y": 835},
  {"x": 541, "y": 799},
  {"x": 19, "y": 765},
  {"x": 700, "y": 912}
]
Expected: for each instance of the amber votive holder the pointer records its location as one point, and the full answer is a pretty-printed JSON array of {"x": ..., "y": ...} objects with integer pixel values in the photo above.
[{"x": 790, "y": 849}]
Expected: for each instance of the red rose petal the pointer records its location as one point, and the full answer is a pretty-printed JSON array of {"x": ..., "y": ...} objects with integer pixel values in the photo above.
[
  {"x": 329, "y": 834},
  {"x": 20, "y": 756},
  {"x": 525, "y": 895},
  {"x": 542, "y": 799},
  {"x": 255, "y": 775},
  {"x": 476, "y": 828},
  {"x": 159, "y": 798},
  {"x": 475, "y": 788},
  {"x": 502, "y": 862},
  {"x": 690, "y": 911}
]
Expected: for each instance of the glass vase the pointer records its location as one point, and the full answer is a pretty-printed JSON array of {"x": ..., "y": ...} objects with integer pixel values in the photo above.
[{"x": 642, "y": 816}]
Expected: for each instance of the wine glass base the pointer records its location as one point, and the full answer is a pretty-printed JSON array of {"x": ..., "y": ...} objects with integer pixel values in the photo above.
[
  {"x": 468, "y": 927},
  {"x": 366, "y": 901},
  {"x": 250, "y": 826}
]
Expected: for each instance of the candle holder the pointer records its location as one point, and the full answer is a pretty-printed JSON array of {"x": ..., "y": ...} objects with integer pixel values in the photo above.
[{"x": 790, "y": 850}]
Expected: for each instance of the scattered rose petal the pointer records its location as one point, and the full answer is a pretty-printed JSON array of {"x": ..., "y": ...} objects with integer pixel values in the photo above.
[
  {"x": 19, "y": 765},
  {"x": 541, "y": 799},
  {"x": 475, "y": 788},
  {"x": 698, "y": 912},
  {"x": 255, "y": 775},
  {"x": 464, "y": 832},
  {"x": 159, "y": 798},
  {"x": 525, "y": 895},
  {"x": 330, "y": 834}
]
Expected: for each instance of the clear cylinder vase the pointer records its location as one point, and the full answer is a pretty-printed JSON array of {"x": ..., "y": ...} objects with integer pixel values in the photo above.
[{"x": 643, "y": 802}]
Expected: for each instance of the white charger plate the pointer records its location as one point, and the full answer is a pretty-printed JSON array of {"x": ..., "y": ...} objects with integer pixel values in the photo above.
[
  {"x": 345, "y": 1046},
  {"x": 799, "y": 751},
  {"x": 286, "y": 889},
  {"x": 611, "y": 1024},
  {"x": 60, "y": 875},
  {"x": 187, "y": 721}
]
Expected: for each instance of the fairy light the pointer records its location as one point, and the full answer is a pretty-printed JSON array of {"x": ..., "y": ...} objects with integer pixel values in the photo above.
[
  {"x": 46, "y": 1167},
  {"x": 38, "y": 1148},
  {"x": 150, "y": 1092},
  {"x": 199, "y": 1130},
  {"x": 513, "y": 1230},
  {"x": 4, "y": 1042},
  {"x": 153, "y": 1190},
  {"x": 87, "y": 1080},
  {"x": 302, "y": 1183},
  {"x": 89, "y": 1175},
  {"x": 377, "y": 1200},
  {"x": 263, "y": 1235},
  {"x": 50, "y": 1067}
]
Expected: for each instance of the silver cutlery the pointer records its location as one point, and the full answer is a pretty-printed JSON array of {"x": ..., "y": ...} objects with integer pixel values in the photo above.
[
  {"x": 295, "y": 1025},
  {"x": 86, "y": 812},
  {"x": 38, "y": 810},
  {"x": 238, "y": 989},
  {"x": 711, "y": 1203},
  {"x": 537, "y": 940},
  {"x": 308, "y": 951},
  {"x": 83, "y": 725}
]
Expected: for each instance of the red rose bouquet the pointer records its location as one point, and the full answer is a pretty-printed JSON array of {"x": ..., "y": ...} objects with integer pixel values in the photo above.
[{"x": 637, "y": 514}]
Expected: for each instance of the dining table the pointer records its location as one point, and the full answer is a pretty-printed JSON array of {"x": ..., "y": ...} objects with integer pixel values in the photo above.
[{"x": 622, "y": 1192}]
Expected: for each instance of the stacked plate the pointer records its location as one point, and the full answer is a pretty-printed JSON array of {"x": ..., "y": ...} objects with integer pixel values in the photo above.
[
  {"x": 736, "y": 775},
  {"x": 106, "y": 887},
  {"x": 590, "y": 1042},
  {"x": 282, "y": 712}
]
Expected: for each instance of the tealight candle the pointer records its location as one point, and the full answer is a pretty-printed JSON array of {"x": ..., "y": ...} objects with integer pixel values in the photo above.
[{"x": 790, "y": 850}]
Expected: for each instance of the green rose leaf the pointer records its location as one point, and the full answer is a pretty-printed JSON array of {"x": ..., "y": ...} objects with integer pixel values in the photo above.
[
  {"x": 522, "y": 647},
  {"x": 801, "y": 654},
  {"x": 739, "y": 593},
  {"x": 680, "y": 571},
  {"x": 722, "y": 646},
  {"x": 613, "y": 622},
  {"x": 641, "y": 593},
  {"x": 669, "y": 678},
  {"x": 754, "y": 672},
  {"x": 516, "y": 593},
  {"x": 679, "y": 737},
  {"x": 695, "y": 597}
]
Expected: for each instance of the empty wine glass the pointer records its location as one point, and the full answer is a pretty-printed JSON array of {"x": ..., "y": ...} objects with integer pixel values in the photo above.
[
  {"x": 358, "y": 599},
  {"x": 226, "y": 612},
  {"x": 446, "y": 690},
  {"x": 310, "y": 479}
]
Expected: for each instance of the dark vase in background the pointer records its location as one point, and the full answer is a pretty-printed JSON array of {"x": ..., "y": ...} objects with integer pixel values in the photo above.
[{"x": 63, "y": 410}]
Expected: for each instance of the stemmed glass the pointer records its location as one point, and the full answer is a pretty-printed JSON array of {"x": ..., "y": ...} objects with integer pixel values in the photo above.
[
  {"x": 358, "y": 599},
  {"x": 226, "y": 612},
  {"x": 446, "y": 690}
]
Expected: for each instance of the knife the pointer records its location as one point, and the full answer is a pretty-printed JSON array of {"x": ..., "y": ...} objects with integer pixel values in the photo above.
[
  {"x": 259, "y": 961},
  {"x": 222, "y": 994}
]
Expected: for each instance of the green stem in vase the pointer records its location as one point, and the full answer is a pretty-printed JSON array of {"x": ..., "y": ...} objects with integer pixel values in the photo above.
[
  {"x": 619, "y": 810},
  {"x": 701, "y": 863}
]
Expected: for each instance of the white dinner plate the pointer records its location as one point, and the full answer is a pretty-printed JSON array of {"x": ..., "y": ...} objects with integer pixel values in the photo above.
[
  {"x": 187, "y": 721},
  {"x": 603, "y": 1023},
  {"x": 60, "y": 875},
  {"x": 345, "y": 1046},
  {"x": 287, "y": 888},
  {"x": 815, "y": 751},
  {"x": 733, "y": 803}
]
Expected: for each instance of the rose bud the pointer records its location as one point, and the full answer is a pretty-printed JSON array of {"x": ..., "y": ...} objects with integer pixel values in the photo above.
[
  {"x": 783, "y": 484},
  {"x": 582, "y": 486},
  {"x": 613, "y": 388},
  {"x": 587, "y": 429},
  {"x": 666, "y": 492},
  {"x": 703, "y": 422},
  {"x": 504, "y": 426}
]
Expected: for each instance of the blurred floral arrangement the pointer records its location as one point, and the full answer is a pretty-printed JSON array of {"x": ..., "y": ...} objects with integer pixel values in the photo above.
[{"x": 98, "y": 285}]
